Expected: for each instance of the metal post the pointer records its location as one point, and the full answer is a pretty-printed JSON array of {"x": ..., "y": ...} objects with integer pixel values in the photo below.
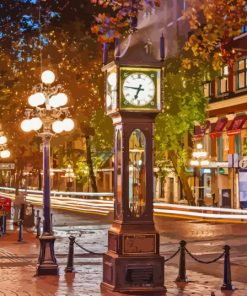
[
  {"x": 20, "y": 234},
  {"x": 4, "y": 225},
  {"x": 70, "y": 262},
  {"x": 227, "y": 284},
  {"x": 38, "y": 227},
  {"x": 46, "y": 182},
  {"x": 51, "y": 223},
  {"x": 47, "y": 263},
  {"x": 182, "y": 269}
]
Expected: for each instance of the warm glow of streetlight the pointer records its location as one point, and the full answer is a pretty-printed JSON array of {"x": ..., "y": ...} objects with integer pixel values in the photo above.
[
  {"x": 194, "y": 162},
  {"x": 204, "y": 162},
  {"x": 68, "y": 124},
  {"x": 58, "y": 100},
  {"x": 199, "y": 146},
  {"x": 3, "y": 140},
  {"x": 63, "y": 99},
  {"x": 36, "y": 99},
  {"x": 36, "y": 123},
  {"x": 48, "y": 77},
  {"x": 5, "y": 154},
  {"x": 57, "y": 126},
  {"x": 26, "y": 125}
]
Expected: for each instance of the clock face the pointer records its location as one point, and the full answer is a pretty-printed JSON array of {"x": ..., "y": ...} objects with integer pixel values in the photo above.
[{"x": 138, "y": 89}]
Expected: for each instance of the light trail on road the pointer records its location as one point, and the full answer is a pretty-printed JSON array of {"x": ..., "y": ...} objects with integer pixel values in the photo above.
[{"x": 100, "y": 206}]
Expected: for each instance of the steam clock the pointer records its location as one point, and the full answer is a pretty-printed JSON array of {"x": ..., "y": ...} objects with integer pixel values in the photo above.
[{"x": 133, "y": 99}]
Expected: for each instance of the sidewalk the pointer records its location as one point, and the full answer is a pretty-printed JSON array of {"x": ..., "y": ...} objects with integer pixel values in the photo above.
[{"x": 18, "y": 264}]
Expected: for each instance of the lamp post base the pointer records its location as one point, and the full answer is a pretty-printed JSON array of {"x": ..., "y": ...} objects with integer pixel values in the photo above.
[{"x": 47, "y": 264}]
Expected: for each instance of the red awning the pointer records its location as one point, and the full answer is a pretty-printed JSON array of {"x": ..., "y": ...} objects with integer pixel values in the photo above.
[
  {"x": 198, "y": 132},
  {"x": 217, "y": 128},
  {"x": 236, "y": 125}
]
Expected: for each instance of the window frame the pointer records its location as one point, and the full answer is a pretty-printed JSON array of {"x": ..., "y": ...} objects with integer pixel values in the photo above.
[
  {"x": 238, "y": 72},
  {"x": 223, "y": 76}
]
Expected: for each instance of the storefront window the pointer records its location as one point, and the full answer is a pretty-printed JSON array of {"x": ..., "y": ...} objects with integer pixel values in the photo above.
[
  {"x": 242, "y": 74},
  {"x": 237, "y": 139},
  {"x": 137, "y": 173}
]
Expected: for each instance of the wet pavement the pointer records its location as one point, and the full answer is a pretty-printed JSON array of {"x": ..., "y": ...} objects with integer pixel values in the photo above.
[{"x": 205, "y": 241}]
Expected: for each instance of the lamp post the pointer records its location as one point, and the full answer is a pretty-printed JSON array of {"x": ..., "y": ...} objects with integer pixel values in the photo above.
[
  {"x": 69, "y": 175},
  {"x": 199, "y": 159},
  {"x": 48, "y": 117}
]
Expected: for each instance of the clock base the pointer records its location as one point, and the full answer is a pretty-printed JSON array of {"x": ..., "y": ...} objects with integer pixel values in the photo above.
[{"x": 133, "y": 273}]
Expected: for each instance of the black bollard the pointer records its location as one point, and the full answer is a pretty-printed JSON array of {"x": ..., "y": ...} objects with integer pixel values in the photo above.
[
  {"x": 20, "y": 234},
  {"x": 182, "y": 269},
  {"x": 4, "y": 224},
  {"x": 38, "y": 230},
  {"x": 227, "y": 285},
  {"x": 70, "y": 263}
]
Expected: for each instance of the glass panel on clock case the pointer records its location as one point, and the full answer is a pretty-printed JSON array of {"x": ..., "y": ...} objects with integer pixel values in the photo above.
[
  {"x": 137, "y": 173},
  {"x": 111, "y": 91},
  {"x": 119, "y": 174}
]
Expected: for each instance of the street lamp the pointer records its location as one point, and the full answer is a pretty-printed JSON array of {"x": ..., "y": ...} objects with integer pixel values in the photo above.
[
  {"x": 4, "y": 153},
  {"x": 69, "y": 175},
  {"x": 48, "y": 117},
  {"x": 199, "y": 159}
]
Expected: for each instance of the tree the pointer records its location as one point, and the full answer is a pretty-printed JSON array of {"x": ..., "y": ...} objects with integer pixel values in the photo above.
[
  {"x": 214, "y": 24},
  {"x": 119, "y": 17},
  {"x": 184, "y": 104},
  {"x": 48, "y": 34}
]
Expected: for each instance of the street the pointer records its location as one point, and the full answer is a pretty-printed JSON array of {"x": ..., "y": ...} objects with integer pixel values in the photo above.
[{"x": 204, "y": 240}]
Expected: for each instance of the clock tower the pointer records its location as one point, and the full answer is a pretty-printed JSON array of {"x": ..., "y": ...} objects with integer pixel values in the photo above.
[{"x": 133, "y": 96}]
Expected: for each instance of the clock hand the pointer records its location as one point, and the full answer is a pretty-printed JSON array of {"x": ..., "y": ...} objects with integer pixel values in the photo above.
[
  {"x": 138, "y": 90},
  {"x": 134, "y": 87}
]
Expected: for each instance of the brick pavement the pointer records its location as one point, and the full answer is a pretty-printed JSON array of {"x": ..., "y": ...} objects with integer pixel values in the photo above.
[{"x": 18, "y": 265}]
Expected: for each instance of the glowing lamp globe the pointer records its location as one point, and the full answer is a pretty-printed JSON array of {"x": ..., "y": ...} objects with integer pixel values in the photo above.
[
  {"x": 194, "y": 163},
  {"x": 48, "y": 77},
  {"x": 3, "y": 140},
  {"x": 36, "y": 123},
  {"x": 68, "y": 124},
  {"x": 54, "y": 101},
  {"x": 204, "y": 162},
  {"x": 199, "y": 145},
  {"x": 36, "y": 99},
  {"x": 57, "y": 126},
  {"x": 26, "y": 125},
  {"x": 62, "y": 98},
  {"x": 5, "y": 153}
]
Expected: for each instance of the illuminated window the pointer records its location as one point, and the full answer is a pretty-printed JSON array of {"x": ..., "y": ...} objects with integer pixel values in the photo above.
[
  {"x": 222, "y": 82},
  {"x": 242, "y": 73}
]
